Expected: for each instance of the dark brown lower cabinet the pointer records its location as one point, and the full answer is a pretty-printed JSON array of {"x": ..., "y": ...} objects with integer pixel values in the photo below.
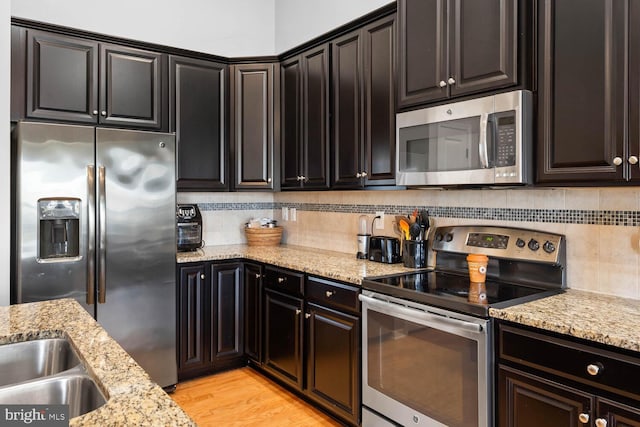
[
  {"x": 210, "y": 318},
  {"x": 547, "y": 380},
  {"x": 253, "y": 312}
]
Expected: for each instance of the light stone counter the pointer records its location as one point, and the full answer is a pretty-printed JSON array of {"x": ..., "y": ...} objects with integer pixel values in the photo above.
[
  {"x": 133, "y": 399},
  {"x": 595, "y": 317},
  {"x": 335, "y": 265}
]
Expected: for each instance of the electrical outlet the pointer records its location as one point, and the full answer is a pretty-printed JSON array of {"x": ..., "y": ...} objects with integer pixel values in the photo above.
[
  {"x": 380, "y": 221},
  {"x": 293, "y": 214},
  {"x": 285, "y": 214}
]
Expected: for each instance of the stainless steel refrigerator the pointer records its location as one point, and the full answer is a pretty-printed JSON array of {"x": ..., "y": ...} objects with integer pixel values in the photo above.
[{"x": 94, "y": 217}]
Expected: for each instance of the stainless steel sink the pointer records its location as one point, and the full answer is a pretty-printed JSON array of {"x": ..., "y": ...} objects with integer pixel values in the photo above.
[
  {"x": 27, "y": 360},
  {"x": 74, "y": 388},
  {"x": 47, "y": 372}
]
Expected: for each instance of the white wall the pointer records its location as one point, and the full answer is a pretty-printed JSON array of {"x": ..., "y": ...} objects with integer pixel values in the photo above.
[
  {"x": 221, "y": 27},
  {"x": 5, "y": 150},
  {"x": 297, "y": 21}
]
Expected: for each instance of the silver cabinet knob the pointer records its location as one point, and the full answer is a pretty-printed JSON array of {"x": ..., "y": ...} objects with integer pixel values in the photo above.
[
  {"x": 282, "y": 279},
  {"x": 364, "y": 174},
  {"x": 358, "y": 175},
  {"x": 601, "y": 422},
  {"x": 443, "y": 83},
  {"x": 258, "y": 275},
  {"x": 451, "y": 81},
  {"x": 594, "y": 369},
  {"x": 633, "y": 160},
  {"x": 268, "y": 179},
  {"x": 304, "y": 178},
  {"x": 583, "y": 418},
  {"x": 95, "y": 112},
  {"x": 307, "y": 315},
  {"x": 202, "y": 276},
  {"x": 617, "y": 161},
  {"x": 103, "y": 113},
  {"x": 329, "y": 294},
  {"x": 298, "y": 311}
]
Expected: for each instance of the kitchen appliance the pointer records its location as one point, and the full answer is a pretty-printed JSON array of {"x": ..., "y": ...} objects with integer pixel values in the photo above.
[
  {"x": 188, "y": 227},
  {"x": 482, "y": 141},
  {"x": 384, "y": 249},
  {"x": 364, "y": 235},
  {"x": 427, "y": 349},
  {"x": 94, "y": 216}
]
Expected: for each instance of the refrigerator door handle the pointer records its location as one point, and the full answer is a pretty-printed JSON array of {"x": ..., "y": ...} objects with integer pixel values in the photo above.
[
  {"x": 91, "y": 234},
  {"x": 102, "y": 236}
]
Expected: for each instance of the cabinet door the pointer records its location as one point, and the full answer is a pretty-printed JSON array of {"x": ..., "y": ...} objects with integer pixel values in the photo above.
[
  {"x": 379, "y": 102},
  {"x": 315, "y": 118},
  {"x": 133, "y": 87},
  {"x": 252, "y": 106},
  {"x": 198, "y": 102},
  {"x": 347, "y": 111},
  {"x": 617, "y": 414},
  {"x": 634, "y": 90},
  {"x": 62, "y": 78},
  {"x": 482, "y": 45},
  {"x": 283, "y": 337},
  {"x": 191, "y": 318},
  {"x": 333, "y": 374},
  {"x": 290, "y": 114},
  {"x": 253, "y": 311},
  {"x": 528, "y": 401},
  {"x": 423, "y": 61},
  {"x": 581, "y": 90},
  {"x": 227, "y": 324}
]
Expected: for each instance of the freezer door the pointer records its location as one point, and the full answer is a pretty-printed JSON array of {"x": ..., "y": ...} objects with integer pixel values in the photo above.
[
  {"x": 52, "y": 212},
  {"x": 136, "y": 246}
]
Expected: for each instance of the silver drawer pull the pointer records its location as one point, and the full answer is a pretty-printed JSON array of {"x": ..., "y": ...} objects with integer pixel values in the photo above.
[
  {"x": 583, "y": 418},
  {"x": 282, "y": 279},
  {"x": 594, "y": 369},
  {"x": 329, "y": 294},
  {"x": 601, "y": 422}
]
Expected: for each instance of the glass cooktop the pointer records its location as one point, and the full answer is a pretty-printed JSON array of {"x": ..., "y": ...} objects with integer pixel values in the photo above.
[{"x": 451, "y": 291}]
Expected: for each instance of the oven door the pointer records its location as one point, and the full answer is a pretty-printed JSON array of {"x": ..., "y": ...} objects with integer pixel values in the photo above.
[{"x": 424, "y": 366}]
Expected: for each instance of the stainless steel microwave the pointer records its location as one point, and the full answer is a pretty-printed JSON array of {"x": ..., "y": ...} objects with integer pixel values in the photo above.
[{"x": 482, "y": 141}]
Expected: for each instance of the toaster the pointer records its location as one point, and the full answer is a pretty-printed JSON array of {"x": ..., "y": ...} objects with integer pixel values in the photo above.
[{"x": 384, "y": 249}]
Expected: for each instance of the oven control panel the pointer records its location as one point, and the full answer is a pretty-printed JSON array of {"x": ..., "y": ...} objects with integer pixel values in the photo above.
[{"x": 503, "y": 242}]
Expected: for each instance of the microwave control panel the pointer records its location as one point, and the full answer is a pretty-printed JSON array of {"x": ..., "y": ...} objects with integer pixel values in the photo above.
[{"x": 505, "y": 138}]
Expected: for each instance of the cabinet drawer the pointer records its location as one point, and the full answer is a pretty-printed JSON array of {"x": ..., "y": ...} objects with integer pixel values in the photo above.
[
  {"x": 606, "y": 370},
  {"x": 285, "y": 281},
  {"x": 332, "y": 294}
]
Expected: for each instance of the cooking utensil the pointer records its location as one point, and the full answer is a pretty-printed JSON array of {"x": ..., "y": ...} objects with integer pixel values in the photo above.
[
  {"x": 414, "y": 231},
  {"x": 404, "y": 227}
]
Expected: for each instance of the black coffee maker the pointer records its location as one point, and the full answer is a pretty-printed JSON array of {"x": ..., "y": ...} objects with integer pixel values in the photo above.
[{"x": 188, "y": 227}]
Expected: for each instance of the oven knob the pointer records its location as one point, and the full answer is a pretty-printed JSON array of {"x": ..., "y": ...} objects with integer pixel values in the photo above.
[
  {"x": 439, "y": 237},
  {"x": 534, "y": 245},
  {"x": 549, "y": 247},
  {"x": 448, "y": 237},
  {"x": 520, "y": 243}
]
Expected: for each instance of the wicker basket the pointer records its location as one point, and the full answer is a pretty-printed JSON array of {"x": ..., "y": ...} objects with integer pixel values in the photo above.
[{"x": 263, "y": 236}]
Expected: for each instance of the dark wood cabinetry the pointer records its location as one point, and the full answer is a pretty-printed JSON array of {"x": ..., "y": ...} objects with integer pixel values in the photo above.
[
  {"x": 198, "y": 114},
  {"x": 304, "y": 135},
  {"x": 64, "y": 82},
  {"x": 253, "y": 106},
  {"x": 588, "y": 79},
  {"x": 210, "y": 318},
  {"x": 253, "y": 274},
  {"x": 363, "y": 105},
  {"x": 455, "y": 47},
  {"x": 544, "y": 379}
]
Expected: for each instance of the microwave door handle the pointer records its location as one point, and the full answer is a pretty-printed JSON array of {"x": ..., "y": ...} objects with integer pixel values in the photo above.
[
  {"x": 482, "y": 146},
  {"x": 419, "y": 314}
]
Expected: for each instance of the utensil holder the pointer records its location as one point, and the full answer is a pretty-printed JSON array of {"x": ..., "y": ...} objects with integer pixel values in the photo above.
[{"x": 414, "y": 253}]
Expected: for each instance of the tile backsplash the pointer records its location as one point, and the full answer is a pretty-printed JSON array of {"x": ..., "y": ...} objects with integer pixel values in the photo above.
[{"x": 602, "y": 225}]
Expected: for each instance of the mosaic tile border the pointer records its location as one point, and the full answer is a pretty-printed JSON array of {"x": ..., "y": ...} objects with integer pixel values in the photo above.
[{"x": 561, "y": 216}]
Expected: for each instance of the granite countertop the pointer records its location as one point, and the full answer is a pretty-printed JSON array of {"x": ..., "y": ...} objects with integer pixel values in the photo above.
[
  {"x": 334, "y": 265},
  {"x": 133, "y": 399},
  {"x": 605, "y": 319}
]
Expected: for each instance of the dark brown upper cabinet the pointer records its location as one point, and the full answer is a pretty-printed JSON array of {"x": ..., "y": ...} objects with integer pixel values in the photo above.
[
  {"x": 304, "y": 115},
  {"x": 57, "y": 77},
  {"x": 252, "y": 132},
  {"x": 588, "y": 103},
  {"x": 451, "y": 48},
  {"x": 198, "y": 113},
  {"x": 363, "y": 127}
]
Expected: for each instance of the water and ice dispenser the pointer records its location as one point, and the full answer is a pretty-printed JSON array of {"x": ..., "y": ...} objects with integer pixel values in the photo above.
[{"x": 59, "y": 229}]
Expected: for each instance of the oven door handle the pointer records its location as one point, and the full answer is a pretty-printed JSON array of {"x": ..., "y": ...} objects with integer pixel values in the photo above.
[{"x": 434, "y": 319}]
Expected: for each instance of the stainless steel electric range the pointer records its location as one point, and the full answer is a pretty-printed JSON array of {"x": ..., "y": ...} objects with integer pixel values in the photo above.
[{"x": 427, "y": 350}]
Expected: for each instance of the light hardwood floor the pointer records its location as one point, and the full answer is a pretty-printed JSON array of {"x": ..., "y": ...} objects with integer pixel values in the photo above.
[{"x": 243, "y": 397}]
